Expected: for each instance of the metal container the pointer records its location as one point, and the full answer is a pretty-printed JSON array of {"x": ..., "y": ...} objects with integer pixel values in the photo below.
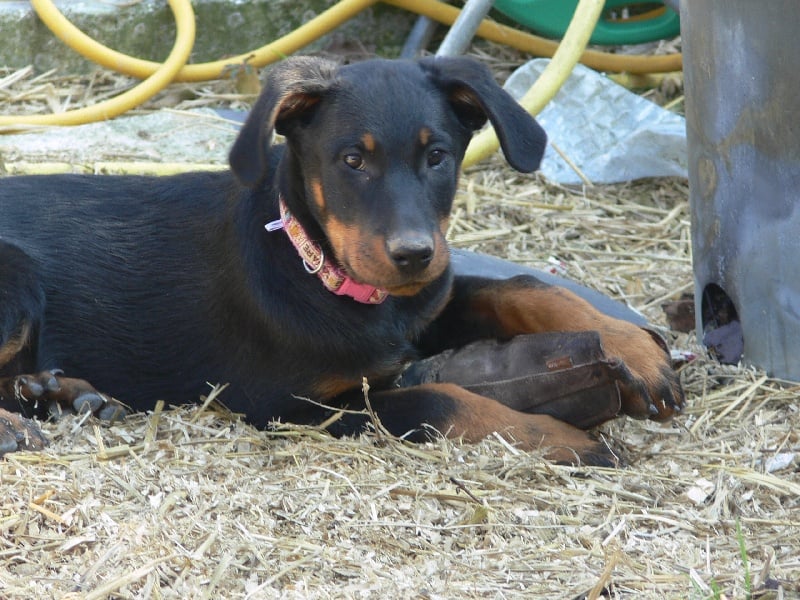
[{"x": 743, "y": 125}]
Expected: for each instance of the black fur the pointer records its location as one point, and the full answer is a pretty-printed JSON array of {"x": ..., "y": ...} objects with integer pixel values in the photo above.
[{"x": 149, "y": 288}]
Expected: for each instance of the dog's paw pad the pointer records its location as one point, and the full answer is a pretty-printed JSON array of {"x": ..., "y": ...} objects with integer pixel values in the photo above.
[
  {"x": 88, "y": 402},
  {"x": 112, "y": 411}
]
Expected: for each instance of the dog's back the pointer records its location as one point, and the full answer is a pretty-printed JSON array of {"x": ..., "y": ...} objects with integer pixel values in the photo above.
[{"x": 125, "y": 264}]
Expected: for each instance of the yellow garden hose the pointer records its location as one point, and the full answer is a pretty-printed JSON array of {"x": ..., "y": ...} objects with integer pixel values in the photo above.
[
  {"x": 533, "y": 44},
  {"x": 135, "y": 67},
  {"x": 157, "y": 76},
  {"x": 552, "y": 78},
  {"x": 324, "y": 23},
  {"x": 329, "y": 20},
  {"x": 155, "y": 82}
]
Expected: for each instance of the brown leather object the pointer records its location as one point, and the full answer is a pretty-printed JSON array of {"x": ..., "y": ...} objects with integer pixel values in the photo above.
[{"x": 563, "y": 374}]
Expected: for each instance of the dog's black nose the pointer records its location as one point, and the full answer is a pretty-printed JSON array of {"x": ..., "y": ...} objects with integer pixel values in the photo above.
[{"x": 410, "y": 253}]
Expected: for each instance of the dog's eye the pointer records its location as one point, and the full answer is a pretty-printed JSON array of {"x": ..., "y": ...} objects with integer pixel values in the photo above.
[
  {"x": 354, "y": 161},
  {"x": 436, "y": 157}
]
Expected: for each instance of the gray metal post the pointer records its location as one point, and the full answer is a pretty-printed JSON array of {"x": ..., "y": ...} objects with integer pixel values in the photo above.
[
  {"x": 743, "y": 131},
  {"x": 461, "y": 33}
]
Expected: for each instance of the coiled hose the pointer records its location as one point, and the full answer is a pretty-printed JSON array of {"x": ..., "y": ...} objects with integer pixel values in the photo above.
[
  {"x": 157, "y": 80},
  {"x": 158, "y": 75}
]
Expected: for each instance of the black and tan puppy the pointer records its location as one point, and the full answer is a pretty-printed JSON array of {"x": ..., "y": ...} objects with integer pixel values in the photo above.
[{"x": 147, "y": 288}]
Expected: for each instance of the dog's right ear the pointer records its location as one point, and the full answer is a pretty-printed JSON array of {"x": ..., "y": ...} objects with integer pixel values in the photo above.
[
  {"x": 475, "y": 96},
  {"x": 293, "y": 86}
]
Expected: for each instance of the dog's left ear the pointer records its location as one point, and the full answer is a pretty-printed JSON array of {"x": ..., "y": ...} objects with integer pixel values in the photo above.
[
  {"x": 294, "y": 86},
  {"x": 475, "y": 96}
]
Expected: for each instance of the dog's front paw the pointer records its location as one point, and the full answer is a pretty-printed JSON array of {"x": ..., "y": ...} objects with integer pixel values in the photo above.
[
  {"x": 19, "y": 433},
  {"x": 654, "y": 390},
  {"x": 50, "y": 394}
]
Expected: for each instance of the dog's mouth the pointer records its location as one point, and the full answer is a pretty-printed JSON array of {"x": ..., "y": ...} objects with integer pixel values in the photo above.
[
  {"x": 410, "y": 289},
  {"x": 367, "y": 259},
  {"x": 397, "y": 284}
]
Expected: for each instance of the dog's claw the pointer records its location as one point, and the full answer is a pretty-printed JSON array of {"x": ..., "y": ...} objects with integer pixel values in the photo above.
[
  {"x": 111, "y": 411},
  {"x": 50, "y": 395},
  {"x": 47, "y": 395},
  {"x": 51, "y": 382},
  {"x": 34, "y": 388},
  {"x": 88, "y": 402},
  {"x": 654, "y": 391}
]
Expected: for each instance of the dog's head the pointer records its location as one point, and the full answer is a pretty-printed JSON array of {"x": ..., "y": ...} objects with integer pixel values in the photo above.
[{"x": 376, "y": 147}]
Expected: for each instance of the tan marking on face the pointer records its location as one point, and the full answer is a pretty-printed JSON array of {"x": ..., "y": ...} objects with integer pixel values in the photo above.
[
  {"x": 318, "y": 195},
  {"x": 369, "y": 142},
  {"x": 407, "y": 290},
  {"x": 444, "y": 225},
  {"x": 441, "y": 255},
  {"x": 341, "y": 236},
  {"x": 363, "y": 254},
  {"x": 371, "y": 264},
  {"x": 424, "y": 136},
  {"x": 441, "y": 258}
]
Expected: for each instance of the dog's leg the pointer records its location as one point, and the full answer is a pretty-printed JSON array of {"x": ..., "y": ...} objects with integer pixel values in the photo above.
[
  {"x": 21, "y": 311},
  {"x": 21, "y": 304},
  {"x": 483, "y": 308},
  {"x": 417, "y": 413},
  {"x": 45, "y": 394}
]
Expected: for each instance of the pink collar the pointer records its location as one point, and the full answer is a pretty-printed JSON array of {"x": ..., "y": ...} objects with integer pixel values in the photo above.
[{"x": 315, "y": 262}]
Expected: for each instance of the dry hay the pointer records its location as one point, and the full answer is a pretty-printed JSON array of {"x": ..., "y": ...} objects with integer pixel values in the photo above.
[{"x": 191, "y": 503}]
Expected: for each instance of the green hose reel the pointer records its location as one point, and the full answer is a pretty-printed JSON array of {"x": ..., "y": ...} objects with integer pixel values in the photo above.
[{"x": 622, "y": 21}]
